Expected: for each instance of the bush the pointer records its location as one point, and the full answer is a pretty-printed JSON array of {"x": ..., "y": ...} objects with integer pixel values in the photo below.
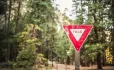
[{"x": 27, "y": 59}]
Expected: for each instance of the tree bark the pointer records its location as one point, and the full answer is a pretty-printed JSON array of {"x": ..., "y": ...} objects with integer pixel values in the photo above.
[
  {"x": 99, "y": 65},
  {"x": 17, "y": 17},
  {"x": 14, "y": 46},
  {"x": 7, "y": 31},
  {"x": 95, "y": 23},
  {"x": 112, "y": 31}
]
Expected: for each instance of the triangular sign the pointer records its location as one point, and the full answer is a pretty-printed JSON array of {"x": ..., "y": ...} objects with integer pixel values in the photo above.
[{"x": 77, "y": 34}]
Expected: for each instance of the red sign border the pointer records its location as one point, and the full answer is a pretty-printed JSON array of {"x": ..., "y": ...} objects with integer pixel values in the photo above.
[{"x": 77, "y": 27}]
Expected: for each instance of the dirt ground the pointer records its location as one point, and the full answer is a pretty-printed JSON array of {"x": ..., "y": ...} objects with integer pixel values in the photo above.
[{"x": 70, "y": 67}]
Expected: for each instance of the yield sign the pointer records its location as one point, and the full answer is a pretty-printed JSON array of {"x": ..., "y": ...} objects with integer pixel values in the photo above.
[{"x": 77, "y": 34}]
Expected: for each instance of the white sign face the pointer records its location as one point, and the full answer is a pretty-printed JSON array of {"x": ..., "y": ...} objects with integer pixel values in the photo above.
[{"x": 77, "y": 33}]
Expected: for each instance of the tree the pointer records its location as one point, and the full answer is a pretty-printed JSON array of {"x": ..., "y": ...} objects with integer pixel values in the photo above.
[
  {"x": 22, "y": 27},
  {"x": 95, "y": 13},
  {"x": 2, "y": 6}
]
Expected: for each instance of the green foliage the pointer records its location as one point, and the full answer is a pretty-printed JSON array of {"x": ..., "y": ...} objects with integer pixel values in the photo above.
[
  {"x": 22, "y": 33},
  {"x": 96, "y": 13},
  {"x": 25, "y": 58},
  {"x": 89, "y": 52},
  {"x": 28, "y": 58},
  {"x": 34, "y": 62},
  {"x": 23, "y": 54},
  {"x": 39, "y": 11},
  {"x": 37, "y": 16},
  {"x": 40, "y": 60}
]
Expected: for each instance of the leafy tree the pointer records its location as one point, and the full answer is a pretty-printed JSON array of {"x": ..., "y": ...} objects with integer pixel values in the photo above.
[
  {"x": 96, "y": 13},
  {"x": 22, "y": 30}
]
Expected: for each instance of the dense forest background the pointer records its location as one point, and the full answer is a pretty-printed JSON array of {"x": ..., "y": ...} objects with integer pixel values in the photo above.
[{"x": 29, "y": 33}]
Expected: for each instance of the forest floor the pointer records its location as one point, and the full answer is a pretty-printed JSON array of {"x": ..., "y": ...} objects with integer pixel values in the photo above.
[{"x": 70, "y": 67}]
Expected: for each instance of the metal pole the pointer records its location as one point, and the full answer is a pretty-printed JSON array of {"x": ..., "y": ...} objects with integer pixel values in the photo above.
[
  {"x": 52, "y": 50},
  {"x": 52, "y": 57},
  {"x": 66, "y": 59},
  {"x": 57, "y": 62},
  {"x": 77, "y": 60}
]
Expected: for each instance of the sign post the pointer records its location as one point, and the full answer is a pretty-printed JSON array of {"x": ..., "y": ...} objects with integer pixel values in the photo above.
[
  {"x": 77, "y": 60},
  {"x": 77, "y": 35}
]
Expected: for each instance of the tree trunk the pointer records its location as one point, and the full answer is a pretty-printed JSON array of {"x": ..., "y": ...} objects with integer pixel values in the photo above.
[
  {"x": 99, "y": 65},
  {"x": 2, "y": 7},
  {"x": 112, "y": 31},
  {"x": 17, "y": 17},
  {"x": 68, "y": 60},
  {"x": 95, "y": 23},
  {"x": 15, "y": 52},
  {"x": 8, "y": 46}
]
